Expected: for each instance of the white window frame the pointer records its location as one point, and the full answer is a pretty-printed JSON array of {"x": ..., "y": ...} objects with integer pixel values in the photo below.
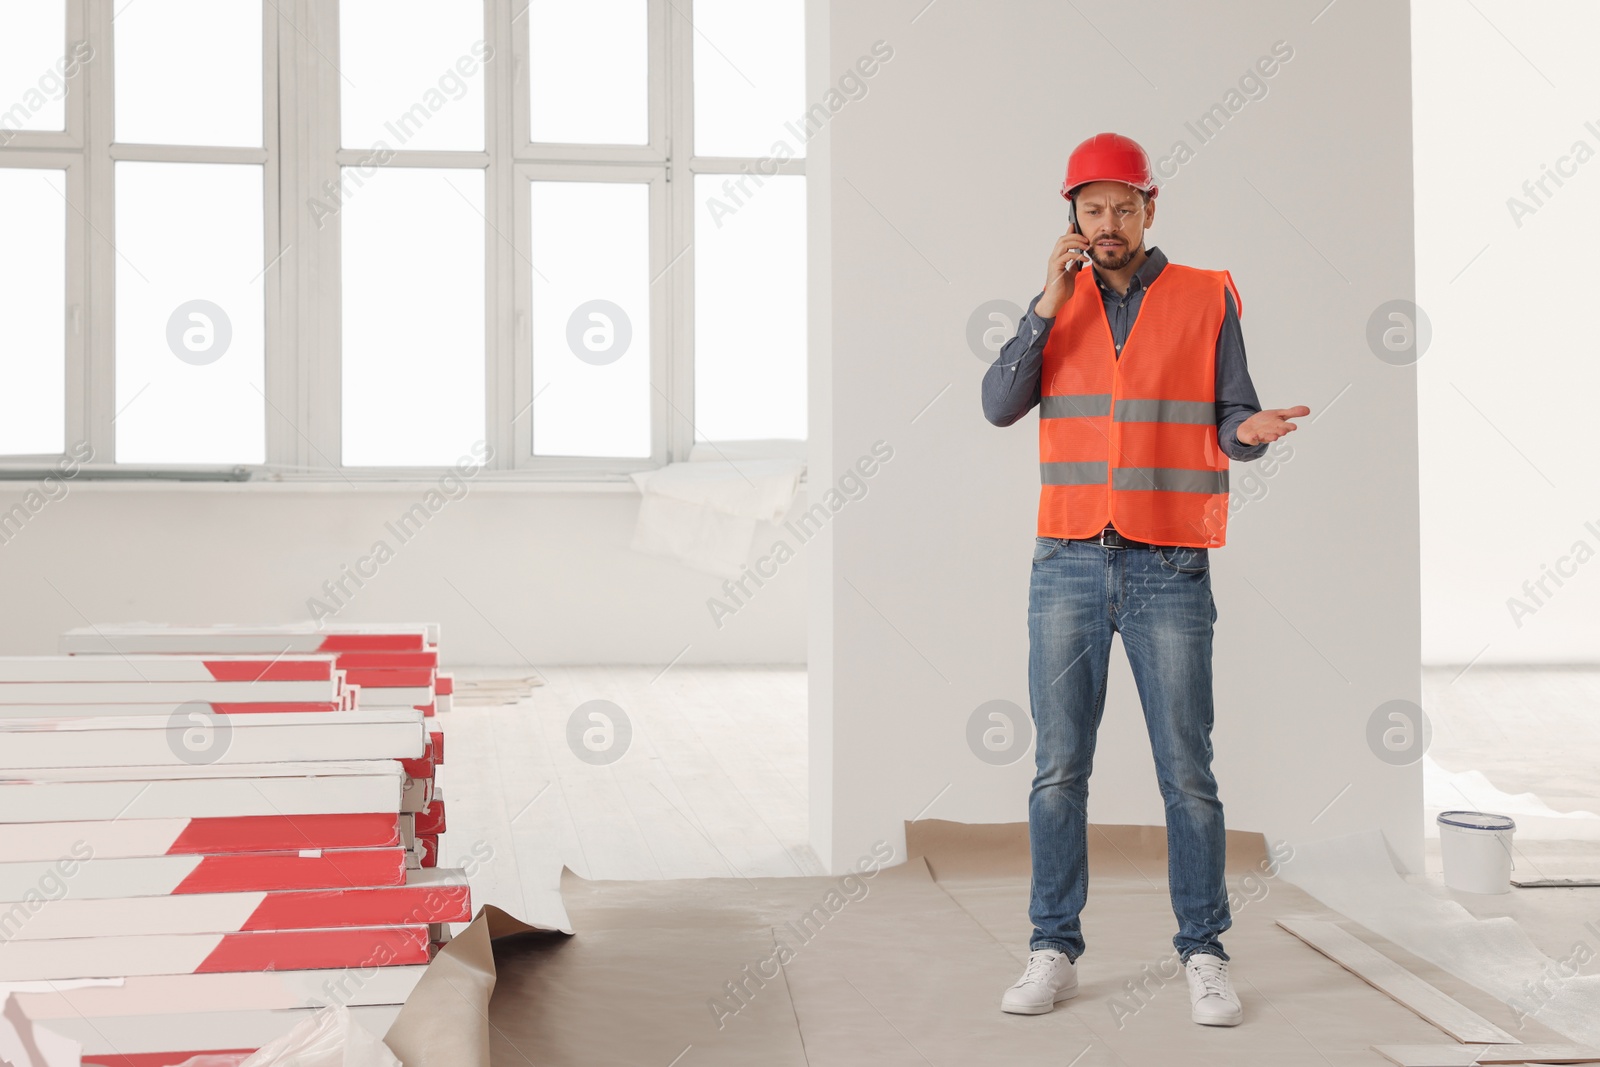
[
  {"x": 63, "y": 150},
  {"x": 523, "y": 406},
  {"x": 75, "y": 333},
  {"x": 299, "y": 154}
]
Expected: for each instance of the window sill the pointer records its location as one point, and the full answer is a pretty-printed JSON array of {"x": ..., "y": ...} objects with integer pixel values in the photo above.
[
  {"x": 18, "y": 478},
  {"x": 496, "y": 482},
  {"x": 508, "y": 482}
]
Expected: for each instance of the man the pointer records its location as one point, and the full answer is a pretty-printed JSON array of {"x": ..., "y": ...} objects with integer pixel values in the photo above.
[{"x": 1138, "y": 369}]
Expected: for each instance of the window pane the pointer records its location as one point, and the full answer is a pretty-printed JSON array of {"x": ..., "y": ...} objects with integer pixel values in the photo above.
[
  {"x": 750, "y": 379},
  {"x": 413, "y": 74},
  {"x": 190, "y": 347},
  {"x": 749, "y": 77},
  {"x": 413, "y": 356},
  {"x": 588, "y": 71},
  {"x": 33, "y": 297},
  {"x": 188, "y": 72},
  {"x": 33, "y": 67},
  {"x": 591, "y": 319}
]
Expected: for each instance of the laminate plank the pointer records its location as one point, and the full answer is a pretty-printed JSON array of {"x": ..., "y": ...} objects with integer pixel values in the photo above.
[
  {"x": 1474, "y": 1055},
  {"x": 1387, "y": 976}
]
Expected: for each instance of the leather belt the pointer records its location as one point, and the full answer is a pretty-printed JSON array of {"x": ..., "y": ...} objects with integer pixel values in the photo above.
[{"x": 1110, "y": 538}]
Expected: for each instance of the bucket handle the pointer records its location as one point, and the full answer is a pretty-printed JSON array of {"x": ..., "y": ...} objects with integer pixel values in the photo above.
[{"x": 1511, "y": 853}]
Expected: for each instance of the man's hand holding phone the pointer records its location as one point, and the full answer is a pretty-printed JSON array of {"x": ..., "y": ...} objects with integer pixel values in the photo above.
[{"x": 1066, "y": 260}]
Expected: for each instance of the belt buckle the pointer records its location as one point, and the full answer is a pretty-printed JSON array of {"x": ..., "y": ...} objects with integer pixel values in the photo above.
[{"x": 1109, "y": 532}]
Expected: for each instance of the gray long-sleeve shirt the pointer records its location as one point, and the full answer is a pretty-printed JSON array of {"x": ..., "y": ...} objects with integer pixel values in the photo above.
[{"x": 1011, "y": 385}]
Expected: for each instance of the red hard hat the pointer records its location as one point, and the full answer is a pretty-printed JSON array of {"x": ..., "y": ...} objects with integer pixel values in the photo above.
[{"x": 1109, "y": 157}]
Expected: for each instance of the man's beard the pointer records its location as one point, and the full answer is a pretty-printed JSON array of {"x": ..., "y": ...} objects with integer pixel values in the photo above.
[{"x": 1115, "y": 262}]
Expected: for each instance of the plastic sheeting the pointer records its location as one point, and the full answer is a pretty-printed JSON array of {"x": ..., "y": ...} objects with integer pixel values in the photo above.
[{"x": 1356, "y": 876}]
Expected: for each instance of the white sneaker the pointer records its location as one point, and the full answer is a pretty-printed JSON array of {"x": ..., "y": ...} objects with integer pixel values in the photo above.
[
  {"x": 1050, "y": 978},
  {"x": 1212, "y": 1001}
]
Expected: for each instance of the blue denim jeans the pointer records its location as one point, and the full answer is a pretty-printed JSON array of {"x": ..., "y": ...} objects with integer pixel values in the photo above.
[{"x": 1159, "y": 600}]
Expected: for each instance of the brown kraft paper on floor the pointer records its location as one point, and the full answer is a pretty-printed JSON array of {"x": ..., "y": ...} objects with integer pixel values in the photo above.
[
  {"x": 906, "y": 966},
  {"x": 445, "y": 1020}
]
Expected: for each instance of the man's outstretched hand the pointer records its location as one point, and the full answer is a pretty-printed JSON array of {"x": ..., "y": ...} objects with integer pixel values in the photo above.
[{"x": 1269, "y": 424}]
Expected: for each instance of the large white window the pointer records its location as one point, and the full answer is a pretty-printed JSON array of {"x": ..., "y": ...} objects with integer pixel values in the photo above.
[{"x": 360, "y": 238}]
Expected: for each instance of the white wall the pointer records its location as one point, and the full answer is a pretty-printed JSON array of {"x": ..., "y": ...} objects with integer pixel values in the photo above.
[
  {"x": 1507, "y": 435},
  {"x": 943, "y": 184},
  {"x": 514, "y": 576}
]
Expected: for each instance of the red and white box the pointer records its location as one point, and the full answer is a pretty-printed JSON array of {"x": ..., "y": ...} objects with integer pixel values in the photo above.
[
  {"x": 153, "y": 668},
  {"x": 421, "y": 767},
  {"x": 420, "y": 697},
  {"x": 395, "y": 663},
  {"x": 416, "y": 794},
  {"x": 144, "y": 954},
  {"x": 318, "y": 691},
  {"x": 233, "y": 885},
  {"x": 352, "y": 661},
  {"x": 83, "y": 877},
  {"x": 429, "y": 845},
  {"x": 168, "y": 708},
  {"x": 224, "y": 991},
  {"x": 172, "y": 1040},
  {"x": 121, "y": 1012},
  {"x": 390, "y": 677},
  {"x": 430, "y": 896},
  {"x": 188, "y": 735},
  {"x": 431, "y": 821},
  {"x": 135, "y": 638},
  {"x": 117, "y": 838},
  {"x": 80, "y": 794}
]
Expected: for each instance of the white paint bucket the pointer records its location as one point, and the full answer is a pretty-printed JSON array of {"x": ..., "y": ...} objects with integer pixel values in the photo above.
[{"x": 1476, "y": 848}]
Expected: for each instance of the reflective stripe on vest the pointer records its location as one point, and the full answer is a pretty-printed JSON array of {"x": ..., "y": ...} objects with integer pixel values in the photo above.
[
  {"x": 1169, "y": 480},
  {"x": 1130, "y": 439},
  {"x": 1073, "y": 473},
  {"x": 1192, "y": 412},
  {"x": 1165, "y": 479},
  {"x": 1084, "y": 405}
]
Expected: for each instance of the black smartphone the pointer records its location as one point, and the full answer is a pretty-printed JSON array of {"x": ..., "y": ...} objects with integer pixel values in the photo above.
[{"x": 1072, "y": 221}]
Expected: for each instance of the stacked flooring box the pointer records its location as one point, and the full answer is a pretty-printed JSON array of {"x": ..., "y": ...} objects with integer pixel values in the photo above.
[{"x": 206, "y": 833}]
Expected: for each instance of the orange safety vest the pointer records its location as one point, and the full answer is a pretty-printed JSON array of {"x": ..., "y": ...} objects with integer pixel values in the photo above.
[{"x": 1132, "y": 441}]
